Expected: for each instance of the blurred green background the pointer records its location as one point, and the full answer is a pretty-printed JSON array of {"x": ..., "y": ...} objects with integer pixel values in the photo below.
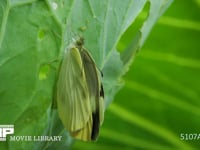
[{"x": 161, "y": 96}]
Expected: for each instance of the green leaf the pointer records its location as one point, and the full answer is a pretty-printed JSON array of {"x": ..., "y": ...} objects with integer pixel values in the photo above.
[
  {"x": 33, "y": 34},
  {"x": 160, "y": 98}
]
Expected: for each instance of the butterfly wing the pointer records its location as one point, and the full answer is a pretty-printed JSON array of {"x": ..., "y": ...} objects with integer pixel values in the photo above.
[
  {"x": 80, "y": 95},
  {"x": 72, "y": 92},
  {"x": 95, "y": 89}
]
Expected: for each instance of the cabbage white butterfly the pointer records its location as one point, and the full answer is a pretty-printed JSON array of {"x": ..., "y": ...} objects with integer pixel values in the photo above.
[{"x": 80, "y": 93}]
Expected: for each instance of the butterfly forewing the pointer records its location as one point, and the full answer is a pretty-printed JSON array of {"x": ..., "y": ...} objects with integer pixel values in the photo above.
[{"x": 72, "y": 93}]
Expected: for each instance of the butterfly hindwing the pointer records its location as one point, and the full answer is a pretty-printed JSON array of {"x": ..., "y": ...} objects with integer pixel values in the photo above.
[{"x": 94, "y": 87}]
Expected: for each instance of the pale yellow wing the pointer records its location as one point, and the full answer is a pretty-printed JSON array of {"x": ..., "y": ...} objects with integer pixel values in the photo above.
[
  {"x": 84, "y": 133},
  {"x": 80, "y": 94},
  {"x": 95, "y": 92},
  {"x": 72, "y": 92}
]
